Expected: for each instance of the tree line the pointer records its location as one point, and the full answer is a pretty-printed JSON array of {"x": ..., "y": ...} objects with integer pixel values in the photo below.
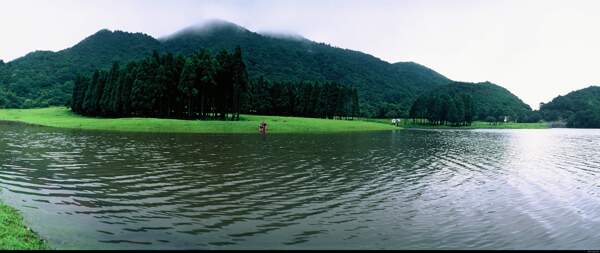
[
  {"x": 203, "y": 86},
  {"x": 307, "y": 99},
  {"x": 454, "y": 110},
  {"x": 199, "y": 86}
]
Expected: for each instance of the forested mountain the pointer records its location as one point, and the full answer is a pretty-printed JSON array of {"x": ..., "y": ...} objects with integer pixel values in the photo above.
[
  {"x": 580, "y": 108},
  {"x": 387, "y": 90},
  {"x": 490, "y": 102},
  {"x": 45, "y": 78}
]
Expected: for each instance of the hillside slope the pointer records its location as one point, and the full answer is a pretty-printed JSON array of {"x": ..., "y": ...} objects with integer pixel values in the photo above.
[
  {"x": 580, "y": 108},
  {"x": 489, "y": 100},
  {"x": 43, "y": 78}
]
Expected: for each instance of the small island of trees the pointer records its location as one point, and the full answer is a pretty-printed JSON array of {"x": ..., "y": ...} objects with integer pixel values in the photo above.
[{"x": 201, "y": 86}]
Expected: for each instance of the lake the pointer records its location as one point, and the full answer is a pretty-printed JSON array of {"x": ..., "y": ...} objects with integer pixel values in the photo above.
[{"x": 406, "y": 189}]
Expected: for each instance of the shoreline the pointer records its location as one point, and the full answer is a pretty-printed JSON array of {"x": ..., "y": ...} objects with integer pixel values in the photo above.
[
  {"x": 542, "y": 125},
  {"x": 62, "y": 117},
  {"x": 407, "y": 124}
]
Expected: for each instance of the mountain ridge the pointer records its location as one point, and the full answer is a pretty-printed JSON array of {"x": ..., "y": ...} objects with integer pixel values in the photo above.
[{"x": 44, "y": 78}]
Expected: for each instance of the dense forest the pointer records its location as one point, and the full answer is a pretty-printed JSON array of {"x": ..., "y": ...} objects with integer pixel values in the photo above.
[
  {"x": 580, "y": 109},
  {"x": 473, "y": 101},
  {"x": 308, "y": 99},
  {"x": 45, "y": 78},
  {"x": 203, "y": 86},
  {"x": 443, "y": 109}
]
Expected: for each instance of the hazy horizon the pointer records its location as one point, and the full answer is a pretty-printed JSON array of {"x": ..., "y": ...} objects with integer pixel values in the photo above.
[{"x": 536, "y": 49}]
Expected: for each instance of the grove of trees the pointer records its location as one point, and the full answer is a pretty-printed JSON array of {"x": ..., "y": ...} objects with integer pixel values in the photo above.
[
  {"x": 203, "y": 86},
  {"x": 454, "y": 110},
  {"x": 307, "y": 99}
]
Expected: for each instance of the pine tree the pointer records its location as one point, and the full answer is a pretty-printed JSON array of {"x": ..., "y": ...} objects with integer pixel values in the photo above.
[
  {"x": 79, "y": 88},
  {"x": 90, "y": 94},
  {"x": 205, "y": 79},
  {"x": 224, "y": 89},
  {"x": 187, "y": 85}
]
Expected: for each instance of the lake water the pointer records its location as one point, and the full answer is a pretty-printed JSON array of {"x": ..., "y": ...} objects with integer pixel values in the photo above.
[{"x": 412, "y": 189}]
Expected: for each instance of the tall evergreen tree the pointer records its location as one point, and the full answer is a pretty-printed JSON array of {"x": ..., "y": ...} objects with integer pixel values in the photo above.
[{"x": 187, "y": 84}]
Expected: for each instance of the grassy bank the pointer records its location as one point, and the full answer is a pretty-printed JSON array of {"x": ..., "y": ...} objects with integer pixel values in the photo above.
[
  {"x": 64, "y": 118},
  {"x": 14, "y": 235}
]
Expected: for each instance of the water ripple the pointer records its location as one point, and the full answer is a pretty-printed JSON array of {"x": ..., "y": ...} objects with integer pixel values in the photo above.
[{"x": 481, "y": 189}]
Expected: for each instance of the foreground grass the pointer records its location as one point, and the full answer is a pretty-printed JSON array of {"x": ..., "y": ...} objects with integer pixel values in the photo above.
[
  {"x": 14, "y": 235},
  {"x": 480, "y": 125},
  {"x": 64, "y": 118}
]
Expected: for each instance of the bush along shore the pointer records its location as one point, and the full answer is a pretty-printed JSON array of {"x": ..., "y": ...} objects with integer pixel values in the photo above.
[{"x": 407, "y": 123}]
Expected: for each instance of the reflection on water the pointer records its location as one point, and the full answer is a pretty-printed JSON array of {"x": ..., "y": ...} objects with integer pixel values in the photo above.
[{"x": 482, "y": 189}]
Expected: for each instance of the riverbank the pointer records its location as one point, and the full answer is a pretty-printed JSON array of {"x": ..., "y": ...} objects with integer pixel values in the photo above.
[
  {"x": 482, "y": 125},
  {"x": 408, "y": 124},
  {"x": 14, "y": 235},
  {"x": 62, "y": 117}
]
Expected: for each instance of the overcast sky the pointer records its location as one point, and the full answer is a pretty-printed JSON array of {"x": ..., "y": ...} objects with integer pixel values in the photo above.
[{"x": 535, "y": 49}]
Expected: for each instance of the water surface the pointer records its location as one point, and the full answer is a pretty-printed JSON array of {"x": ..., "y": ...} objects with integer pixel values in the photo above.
[{"x": 417, "y": 189}]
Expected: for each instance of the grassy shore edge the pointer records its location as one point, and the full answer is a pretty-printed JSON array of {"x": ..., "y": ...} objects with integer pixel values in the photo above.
[
  {"x": 62, "y": 117},
  {"x": 14, "y": 234}
]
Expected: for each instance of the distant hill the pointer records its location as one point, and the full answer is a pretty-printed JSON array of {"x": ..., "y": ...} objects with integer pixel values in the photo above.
[
  {"x": 489, "y": 100},
  {"x": 44, "y": 78},
  {"x": 580, "y": 108}
]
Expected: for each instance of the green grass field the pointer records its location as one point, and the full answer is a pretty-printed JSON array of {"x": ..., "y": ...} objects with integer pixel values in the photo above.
[
  {"x": 14, "y": 235},
  {"x": 64, "y": 118}
]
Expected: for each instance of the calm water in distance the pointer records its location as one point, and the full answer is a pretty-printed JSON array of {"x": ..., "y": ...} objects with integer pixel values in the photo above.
[{"x": 413, "y": 189}]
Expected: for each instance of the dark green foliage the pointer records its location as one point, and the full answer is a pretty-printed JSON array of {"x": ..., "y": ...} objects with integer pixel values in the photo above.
[
  {"x": 579, "y": 108},
  {"x": 297, "y": 59},
  {"x": 588, "y": 118},
  {"x": 165, "y": 86},
  {"x": 42, "y": 78},
  {"x": 203, "y": 86},
  {"x": 8, "y": 99},
  {"x": 473, "y": 101},
  {"x": 307, "y": 99}
]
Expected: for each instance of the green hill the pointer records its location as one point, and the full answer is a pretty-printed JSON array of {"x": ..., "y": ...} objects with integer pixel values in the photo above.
[
  {"x": 44, "y": 78},
  {"x": 489, "y": 100},
  {"x": 580, "y": 108}
]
